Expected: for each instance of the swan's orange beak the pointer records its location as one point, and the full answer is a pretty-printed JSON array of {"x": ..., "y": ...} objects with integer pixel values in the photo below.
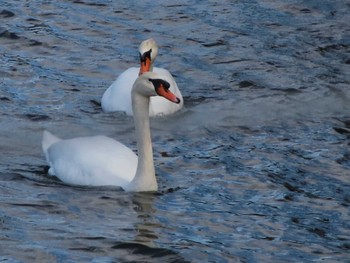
[
  {"x": 166, "y": 93},
  {"x": 145, "y": 65}
]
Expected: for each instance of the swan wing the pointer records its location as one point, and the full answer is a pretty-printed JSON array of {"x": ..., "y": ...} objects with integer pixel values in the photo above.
[
  {"x": 97, "y": 160},
  {"x": 118, "y": 96}
]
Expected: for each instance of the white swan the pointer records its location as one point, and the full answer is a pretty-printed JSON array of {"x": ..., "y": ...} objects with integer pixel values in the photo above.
[
  {"x": 100, "y": 160},
  {"x": 118, "y": 96}
]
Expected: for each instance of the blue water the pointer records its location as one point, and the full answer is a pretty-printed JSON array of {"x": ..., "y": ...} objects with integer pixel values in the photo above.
[{"x": 256, "y": 168}]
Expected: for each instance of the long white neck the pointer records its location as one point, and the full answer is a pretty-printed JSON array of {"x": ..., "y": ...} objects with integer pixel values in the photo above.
[
  {"x": 145, "y": 179},
  {"x": 151, "y": 67}
]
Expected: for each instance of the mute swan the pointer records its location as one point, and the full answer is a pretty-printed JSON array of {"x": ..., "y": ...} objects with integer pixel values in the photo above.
[
  {"x": 100, "y": 160},
  {"x": 118, "y": 96}
]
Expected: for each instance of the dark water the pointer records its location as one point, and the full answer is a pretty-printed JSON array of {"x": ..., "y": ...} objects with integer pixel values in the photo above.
[{"x": 256, "y": 168}]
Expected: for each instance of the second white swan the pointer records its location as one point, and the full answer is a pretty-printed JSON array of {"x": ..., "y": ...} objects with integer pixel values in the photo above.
[{"x": 118, "y": 96}]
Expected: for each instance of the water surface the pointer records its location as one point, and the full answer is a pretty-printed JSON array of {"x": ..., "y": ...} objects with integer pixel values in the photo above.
[{"x": 254, "y": 169}]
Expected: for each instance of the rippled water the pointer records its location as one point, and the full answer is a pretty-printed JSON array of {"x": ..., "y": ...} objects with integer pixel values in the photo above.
[{"x": 256, "y": 168}]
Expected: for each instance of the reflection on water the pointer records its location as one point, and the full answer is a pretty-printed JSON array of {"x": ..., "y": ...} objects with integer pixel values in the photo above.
[{"x": 254, "y": 169}]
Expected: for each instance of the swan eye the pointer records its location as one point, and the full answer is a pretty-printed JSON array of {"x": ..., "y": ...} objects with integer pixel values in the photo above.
[
  {"x": 158, "y": 82},
  {"x": 145, "y": 55}
]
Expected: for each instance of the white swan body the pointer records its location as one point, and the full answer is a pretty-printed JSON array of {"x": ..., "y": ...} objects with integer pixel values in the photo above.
[
  {"x": 73, "y": 161},
  {"x": 100, "y": 160},
  {"x": 118, "y": 96}
]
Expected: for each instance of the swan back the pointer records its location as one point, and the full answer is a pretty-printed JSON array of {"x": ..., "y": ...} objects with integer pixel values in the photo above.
[{"x": 96, "y": 160}]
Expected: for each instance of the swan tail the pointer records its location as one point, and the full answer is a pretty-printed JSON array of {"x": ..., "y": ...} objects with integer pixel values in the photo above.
[{"x": 48, "y": 140}]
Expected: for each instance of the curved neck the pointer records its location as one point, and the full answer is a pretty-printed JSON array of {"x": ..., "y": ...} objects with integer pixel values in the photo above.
[
  {"x": 145, "y": 179},
  {"x": 150, "y": 68}
]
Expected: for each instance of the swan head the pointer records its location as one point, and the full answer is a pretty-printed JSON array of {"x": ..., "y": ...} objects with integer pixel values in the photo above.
[
  {"x": 148, "y": 51},
  {"x": 151, "y": 84}
]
